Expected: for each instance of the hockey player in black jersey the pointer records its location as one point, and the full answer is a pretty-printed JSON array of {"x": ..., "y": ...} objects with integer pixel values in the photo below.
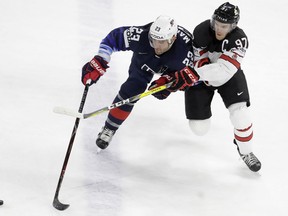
[
  {"x": 160, "y": 47},
  {"x": 219, "y": 47}
]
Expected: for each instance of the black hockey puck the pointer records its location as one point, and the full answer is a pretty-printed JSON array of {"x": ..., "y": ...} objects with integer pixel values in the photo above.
[{"x": 1, "y": 202}]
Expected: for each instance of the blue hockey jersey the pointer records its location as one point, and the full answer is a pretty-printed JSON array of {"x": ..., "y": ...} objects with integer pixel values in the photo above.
[{"x": 145, "y": 62}]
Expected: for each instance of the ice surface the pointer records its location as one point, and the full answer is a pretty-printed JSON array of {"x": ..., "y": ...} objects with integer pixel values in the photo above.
[{"x": 155, "y": 165}]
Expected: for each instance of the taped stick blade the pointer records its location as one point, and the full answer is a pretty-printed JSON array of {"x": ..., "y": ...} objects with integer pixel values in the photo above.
[{"x": 68, "y": 112}]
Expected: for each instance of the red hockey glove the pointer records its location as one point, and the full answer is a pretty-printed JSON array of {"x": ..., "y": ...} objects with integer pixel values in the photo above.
[
  {"x": 184, "y": 79},
  {"x": 94, "y": 69},
  {"x": 156, "y": 83},
  {"x": 202, "y": 62}
]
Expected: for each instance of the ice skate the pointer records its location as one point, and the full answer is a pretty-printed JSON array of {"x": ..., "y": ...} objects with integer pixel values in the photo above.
[
  {"x": 250, "y": 160},
  {"x": 104, "y": 138}
]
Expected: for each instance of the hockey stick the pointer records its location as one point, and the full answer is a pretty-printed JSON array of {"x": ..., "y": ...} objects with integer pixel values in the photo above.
[
  {"x": 69, "y": 112},
  {"x": 56, "y": 203}
]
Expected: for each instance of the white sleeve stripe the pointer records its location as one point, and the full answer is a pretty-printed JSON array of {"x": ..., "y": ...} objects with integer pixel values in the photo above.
[{"x": 105, "y": 52}]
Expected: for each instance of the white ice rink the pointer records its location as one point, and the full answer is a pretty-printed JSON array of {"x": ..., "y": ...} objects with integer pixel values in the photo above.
[{"x": 154, "y": 165}]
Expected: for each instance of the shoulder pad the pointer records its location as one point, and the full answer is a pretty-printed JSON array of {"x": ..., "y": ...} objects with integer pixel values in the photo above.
[
  {"x": 184, "y": 34},
  {"x": 203, "y": 34}
]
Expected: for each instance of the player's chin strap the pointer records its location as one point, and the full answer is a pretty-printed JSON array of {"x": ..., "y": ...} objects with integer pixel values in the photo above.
[{"x": 69, "y": 112}]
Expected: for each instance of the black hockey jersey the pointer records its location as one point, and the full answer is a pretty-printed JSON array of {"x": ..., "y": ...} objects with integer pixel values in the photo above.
[{"x": 225, "y": 55}]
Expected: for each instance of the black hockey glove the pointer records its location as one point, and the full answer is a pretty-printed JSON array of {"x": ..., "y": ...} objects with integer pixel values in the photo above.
[{"x": 184, "y": 79}]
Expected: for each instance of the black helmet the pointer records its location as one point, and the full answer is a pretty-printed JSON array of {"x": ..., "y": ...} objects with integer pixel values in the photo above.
[{"x": 227, "y": 13}]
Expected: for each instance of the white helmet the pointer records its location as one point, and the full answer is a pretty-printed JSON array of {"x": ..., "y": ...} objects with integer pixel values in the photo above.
[{"x": 164, "y": 28}]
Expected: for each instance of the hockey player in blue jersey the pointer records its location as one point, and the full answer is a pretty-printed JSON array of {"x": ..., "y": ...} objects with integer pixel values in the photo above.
[
  {"x": 161, "y": 47},
  {"x": 219, "y": 47}
]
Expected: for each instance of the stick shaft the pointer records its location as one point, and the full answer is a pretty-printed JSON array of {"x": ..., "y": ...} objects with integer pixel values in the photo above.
[
  {"x": 128, "y": 100},
  {"x": 56, "y": 202}
]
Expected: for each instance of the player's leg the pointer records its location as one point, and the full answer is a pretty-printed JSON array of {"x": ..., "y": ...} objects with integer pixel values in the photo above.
[
  {"x": 235, "y": 95},
  {"x": 197, "y": 107},
  {"x": 132, "y": 86},
  {"x": 243, "y": 127}
]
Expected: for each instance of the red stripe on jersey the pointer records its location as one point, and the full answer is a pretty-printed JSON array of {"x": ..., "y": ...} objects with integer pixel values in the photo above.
[
  {"x": 231, "y": 60},
  {"x": 202, "y": 52},
  {"x": 119, "y": 114}
]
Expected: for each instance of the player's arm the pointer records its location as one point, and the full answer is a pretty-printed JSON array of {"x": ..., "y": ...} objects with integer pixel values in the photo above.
[
  {"x": 117, "y": 40},
  {"x": 219, "y": 72}
]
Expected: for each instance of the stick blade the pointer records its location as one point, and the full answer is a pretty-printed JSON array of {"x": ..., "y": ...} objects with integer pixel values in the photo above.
[
  {"x": 59, "y": 206},
  {"x": 68, "y": 112}
]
